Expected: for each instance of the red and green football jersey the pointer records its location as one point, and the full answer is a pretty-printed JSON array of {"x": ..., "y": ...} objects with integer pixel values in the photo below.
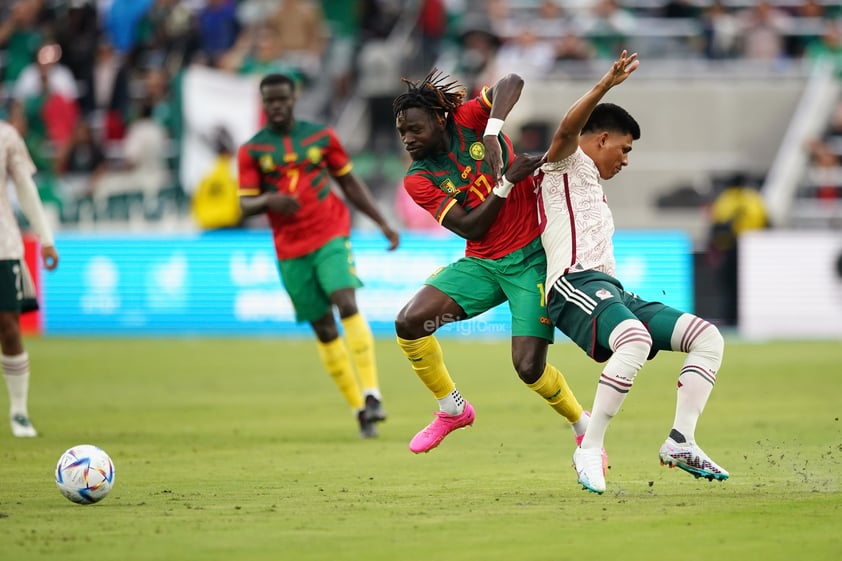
[
  {"x": 299, "y": 164},
  {"x": 461, "y": 177}
]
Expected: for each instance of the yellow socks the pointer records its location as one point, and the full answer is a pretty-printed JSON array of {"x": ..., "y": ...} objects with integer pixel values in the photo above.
[
  {"x": 426, "y": 359},
  {"x": 337, "y": 362},
  {"x": 361, "y": 346},
  {"x": 554, "y": 389},
  {"x": 344, "y": 364}
]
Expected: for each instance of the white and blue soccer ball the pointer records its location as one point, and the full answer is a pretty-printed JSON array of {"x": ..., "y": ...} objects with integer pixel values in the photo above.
[{"x": 85, "y": 474}]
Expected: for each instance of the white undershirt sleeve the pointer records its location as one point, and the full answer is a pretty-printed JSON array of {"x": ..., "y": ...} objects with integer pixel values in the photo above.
[{"x": 30, "y": 204}]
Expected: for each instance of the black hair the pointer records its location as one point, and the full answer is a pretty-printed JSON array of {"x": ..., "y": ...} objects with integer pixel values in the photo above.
[
  {"x": 435, "y": 94},
  {"x": 277, "y": 80},
  {"x": 612, "y": 118}
]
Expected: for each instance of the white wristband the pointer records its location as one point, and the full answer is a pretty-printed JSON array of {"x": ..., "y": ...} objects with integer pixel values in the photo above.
[
  {"x": 502, "y": 189},
  {"x": 493, "y": 127}
]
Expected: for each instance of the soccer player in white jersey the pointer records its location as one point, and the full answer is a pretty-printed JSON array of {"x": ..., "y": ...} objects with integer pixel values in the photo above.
[
  {"x": 16, "y": 291},
  {"x": 591, "y": 306}
]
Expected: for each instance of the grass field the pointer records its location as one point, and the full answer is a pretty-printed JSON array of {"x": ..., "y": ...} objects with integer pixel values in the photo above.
[{"x": 237, "y": 449}]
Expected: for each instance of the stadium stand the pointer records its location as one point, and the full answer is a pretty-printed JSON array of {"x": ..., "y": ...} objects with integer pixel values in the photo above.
[{"x": 725, "y": 87}]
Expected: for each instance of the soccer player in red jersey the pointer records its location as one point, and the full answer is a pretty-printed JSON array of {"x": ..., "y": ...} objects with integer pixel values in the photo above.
[
  {"x": 286, "y": 171},
  {"x": 459, "y": 155}
]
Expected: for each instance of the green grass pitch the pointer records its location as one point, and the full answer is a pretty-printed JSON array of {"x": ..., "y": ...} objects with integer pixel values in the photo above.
[{"x": 230, "y": 449}]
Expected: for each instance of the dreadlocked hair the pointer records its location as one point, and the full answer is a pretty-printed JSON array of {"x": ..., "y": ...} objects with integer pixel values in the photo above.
[{"x": 437, "y": 93}]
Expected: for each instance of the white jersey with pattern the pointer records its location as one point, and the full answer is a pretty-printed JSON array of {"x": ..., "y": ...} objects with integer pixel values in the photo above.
[
  {"x": 14, "y": 160},
  {"x": 576, "y": 223}
]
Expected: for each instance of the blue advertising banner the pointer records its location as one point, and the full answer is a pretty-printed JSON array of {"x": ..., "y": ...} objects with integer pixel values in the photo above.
[{"x": 227, "y": 283}]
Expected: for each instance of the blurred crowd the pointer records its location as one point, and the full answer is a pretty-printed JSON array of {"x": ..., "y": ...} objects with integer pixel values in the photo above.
[
  {"x": 821, "y": 185},
  {"x": 94, "y": 85}
]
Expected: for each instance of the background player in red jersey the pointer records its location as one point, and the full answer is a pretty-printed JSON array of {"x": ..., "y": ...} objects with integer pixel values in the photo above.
[
  {"x": 458, "y": 155},
  {"x": 285, "y": 171}
]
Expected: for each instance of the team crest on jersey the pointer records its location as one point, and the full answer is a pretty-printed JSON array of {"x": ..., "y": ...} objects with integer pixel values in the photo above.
[
  {"x": 266, "y": 163},
  {"x": 448, "y": 187},
  {"x": 477, "y": 151},
  {"x": 314, "y": 154},
  {"x": 603, "y": 294}
]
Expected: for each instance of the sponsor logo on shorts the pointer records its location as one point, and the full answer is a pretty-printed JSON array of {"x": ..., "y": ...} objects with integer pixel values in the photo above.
[
  {"x": 603, "y": 294},
  {"x": 545, "y": 320}
]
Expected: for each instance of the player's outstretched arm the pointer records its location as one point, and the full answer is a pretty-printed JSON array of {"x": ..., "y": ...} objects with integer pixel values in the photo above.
[
  {"x": 359, "y": 195},
  {"x": 566, "y": 138}
]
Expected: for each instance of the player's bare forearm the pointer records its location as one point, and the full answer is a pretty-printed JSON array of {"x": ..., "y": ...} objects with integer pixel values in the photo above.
[
  {"x": 359, "y": 195},
  {"x": 473, "y": 225},
  {"x": 251, "y": 206},
  {"x": 566, "y": 138},
  {"x": 504, "y": 94},
  {"x": 277, "y": 202}
]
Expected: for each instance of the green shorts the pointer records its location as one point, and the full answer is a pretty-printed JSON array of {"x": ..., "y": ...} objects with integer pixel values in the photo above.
[
  {"x": 17, "y": 295},
  {"x": 478, "y": 285},
  {"x": 311, "y": 279},
  {"x": 587, "y": 306}
]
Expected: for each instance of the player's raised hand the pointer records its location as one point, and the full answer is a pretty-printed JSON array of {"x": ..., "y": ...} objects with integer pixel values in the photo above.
[
  {"x": 493, "y": 157},
  {"x": 523, "y": 166},
  {"x": 621, "y": 69}
]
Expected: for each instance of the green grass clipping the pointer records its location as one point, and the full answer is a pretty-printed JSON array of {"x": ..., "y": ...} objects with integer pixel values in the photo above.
[{"x": 242, "y": 449}]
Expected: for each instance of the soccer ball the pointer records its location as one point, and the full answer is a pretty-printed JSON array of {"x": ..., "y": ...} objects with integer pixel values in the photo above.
[{"x": 85, "y": 474}]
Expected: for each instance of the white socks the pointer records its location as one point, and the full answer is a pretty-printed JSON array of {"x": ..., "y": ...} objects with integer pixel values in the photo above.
[
  {"x": 631, "y": 344},
  {"x": 16, "y": 372},
  {"x": 453, "y": 403},
  {"x": 704, "y": 347}
]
